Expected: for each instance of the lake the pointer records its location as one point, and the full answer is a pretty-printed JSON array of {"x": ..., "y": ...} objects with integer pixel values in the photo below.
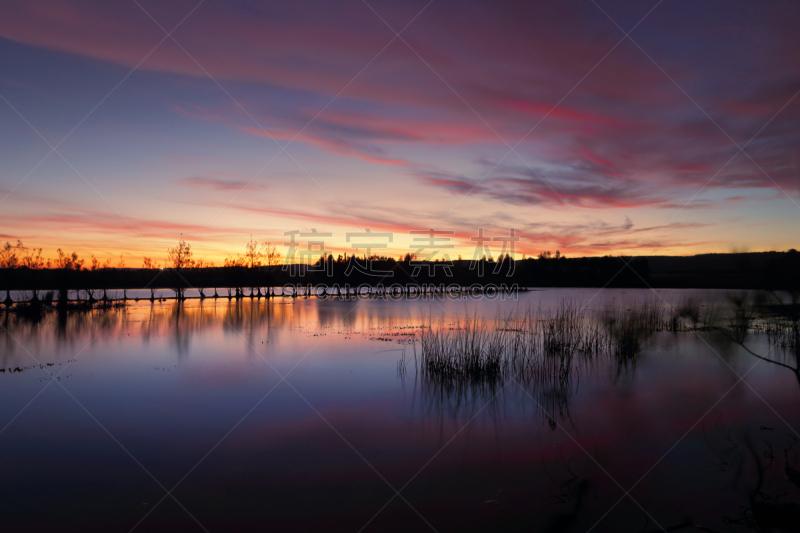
[{"x": 311, "y": 414}]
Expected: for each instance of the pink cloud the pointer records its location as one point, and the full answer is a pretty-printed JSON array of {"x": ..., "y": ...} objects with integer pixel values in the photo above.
[
  {"x": 338, "y": 148},
  {"x": 596, "y": 159},
  {"x": 114, "y": 225},
  {"x": 560, "y": 112}
]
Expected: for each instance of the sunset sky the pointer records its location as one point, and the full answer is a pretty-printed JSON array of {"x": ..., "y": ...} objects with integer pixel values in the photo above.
[{"x": 257, "y": 118}]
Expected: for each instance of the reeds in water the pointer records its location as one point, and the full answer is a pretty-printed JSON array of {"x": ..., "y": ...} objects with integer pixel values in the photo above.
[
  {"x": 541, "y": 344},
  {"x": 629, "y": 328},
  {"x": 535, "y": 344},
  {"x": 565, "y": 331},
  {"x": 472, "y": 350},
  {"x": 742, "y": 317},
  {"x": 783, "y": 333},
  {"x": 782, "y": 327}
]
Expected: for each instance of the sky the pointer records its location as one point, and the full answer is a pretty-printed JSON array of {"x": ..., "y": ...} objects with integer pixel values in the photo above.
[{"x": 592, "y": 128}]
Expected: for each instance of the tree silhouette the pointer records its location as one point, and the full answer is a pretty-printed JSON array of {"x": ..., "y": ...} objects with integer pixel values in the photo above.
[
  {"x": 234, "y": 261},
  {"x": 9, "y": 255},
  {"x": 253, "y": 254},
  {"x": 181, "y": 256},
  {"x": 33, "y": 259},
  {"x": 271, "y": 254},
  {"x": 68, "y": 262}
]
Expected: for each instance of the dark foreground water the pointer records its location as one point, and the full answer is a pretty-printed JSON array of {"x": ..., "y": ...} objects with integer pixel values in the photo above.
[{"x": 189, "y": 399}]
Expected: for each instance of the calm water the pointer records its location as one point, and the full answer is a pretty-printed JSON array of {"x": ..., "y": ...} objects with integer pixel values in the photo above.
[{"x": 190, "y": 396}]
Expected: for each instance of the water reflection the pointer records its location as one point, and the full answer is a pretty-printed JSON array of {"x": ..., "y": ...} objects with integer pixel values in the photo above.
[
  {"x": 178, "y": 321},
  {"x": 170, "y": 379}
]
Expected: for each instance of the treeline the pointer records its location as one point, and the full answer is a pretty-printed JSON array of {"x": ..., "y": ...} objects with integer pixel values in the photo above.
[
  {"x": 583, "y": 272},
  {"x": 261, "y": 266},
  {"x": 352, "y": 271},
  {"x": 181, "y": 256},
  {"x": 541, "y": 272}
]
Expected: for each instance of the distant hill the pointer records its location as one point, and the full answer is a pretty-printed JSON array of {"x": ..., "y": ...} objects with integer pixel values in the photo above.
[{"x": 754, "y": 270}]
